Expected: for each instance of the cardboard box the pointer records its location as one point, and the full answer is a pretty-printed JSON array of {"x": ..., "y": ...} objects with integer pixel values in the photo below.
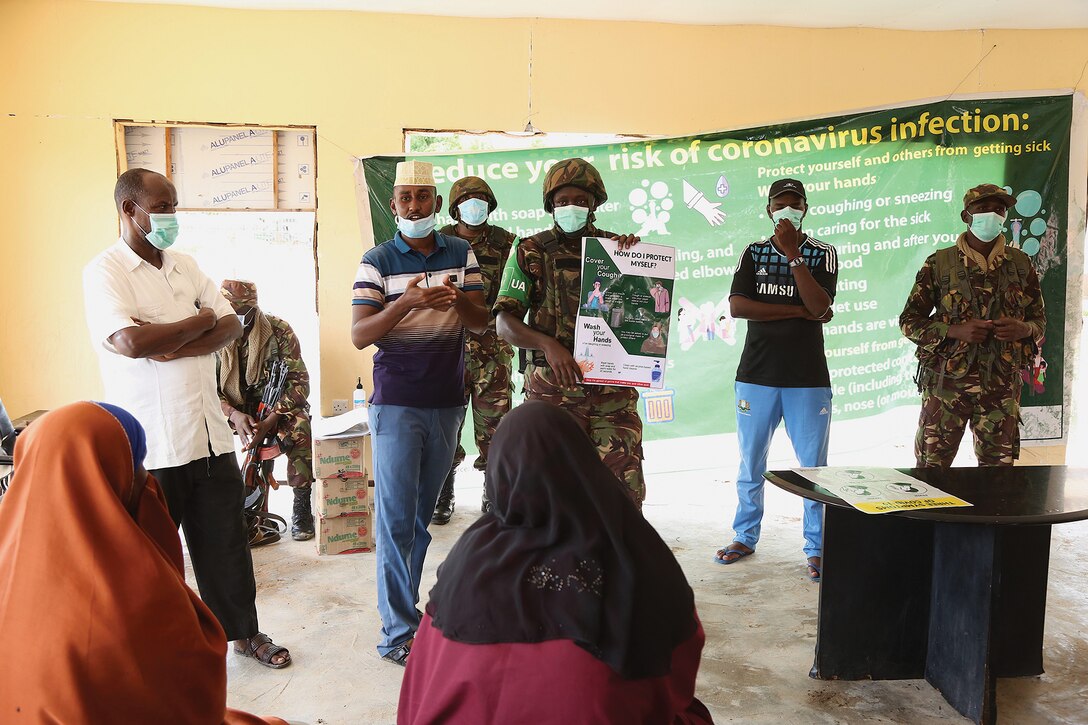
[
  {"x": 342, "y": 496},
  {"x": 343, "y": 457},
  {"x": 345, "y": 534}
]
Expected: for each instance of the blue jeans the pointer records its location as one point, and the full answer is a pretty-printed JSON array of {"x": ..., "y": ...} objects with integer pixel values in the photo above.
[
  {"x": 413, "y": 450},
  {"x": 807, "y": 412}
]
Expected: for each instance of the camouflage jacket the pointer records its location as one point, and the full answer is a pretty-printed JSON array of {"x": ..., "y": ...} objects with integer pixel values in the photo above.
[
  {"x": 492, "y": 248},
  {"x": 934, "y": 305},
  {"x": 283, "y": 345},
  {"x": 552, "y": 281}
]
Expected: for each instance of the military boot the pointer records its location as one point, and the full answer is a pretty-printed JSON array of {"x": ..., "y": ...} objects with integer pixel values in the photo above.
[
  {"x": 302, "y": 517},
  {"x": 443, "y": 510}
]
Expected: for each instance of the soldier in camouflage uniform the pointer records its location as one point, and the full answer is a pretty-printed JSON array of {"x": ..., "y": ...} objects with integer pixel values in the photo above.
[
  {"x": 487, "y": 356},
  {"x": 544, "y": 278},
  {"x": 976, "y": 314},
  {"x": 242, "y": 378}
]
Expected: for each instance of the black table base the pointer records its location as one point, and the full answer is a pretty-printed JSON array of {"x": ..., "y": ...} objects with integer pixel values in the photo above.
[{"x": 956, "y": 603}]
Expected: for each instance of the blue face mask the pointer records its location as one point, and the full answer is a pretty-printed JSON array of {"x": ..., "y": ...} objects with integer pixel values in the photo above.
[
  {"x": 789, "y": 213},
  {"x": 473, "y": 211},
  {"x": 571, "y": 218},
  {"x": 416, "y": 228},
  {"x": 987, "y": 225},
  {"x": 164, "y": 229}
]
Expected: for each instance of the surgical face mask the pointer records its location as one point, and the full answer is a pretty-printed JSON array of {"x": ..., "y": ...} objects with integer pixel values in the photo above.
[
  {"x": 473, "y": 211},
  {"x": 655, "y": 333},
  {"x": 986, "y": 225},
  {"x": 571, "y": 218},
  {"x": 793, "y": 215},
  {"x": 242, "y": 318},
  {"x": 164, "y": 229},
  {"x": 416, "y": 228}
]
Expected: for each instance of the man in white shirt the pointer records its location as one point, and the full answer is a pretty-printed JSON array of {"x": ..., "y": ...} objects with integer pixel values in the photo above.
[{"x": 156, "y": 321}]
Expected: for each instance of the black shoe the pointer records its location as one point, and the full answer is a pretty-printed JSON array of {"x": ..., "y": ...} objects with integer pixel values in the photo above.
[
  {"x": 302, "y": 517},
  {"x": 443, "y": 510},
  {"x": 399, "y": 654}
]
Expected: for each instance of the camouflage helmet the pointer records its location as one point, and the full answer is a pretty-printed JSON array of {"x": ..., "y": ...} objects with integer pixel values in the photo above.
[
  {"x": 989, "y": 191},
  {"x": 573, "y": 172},
  {"x": 470, "y": 185}
]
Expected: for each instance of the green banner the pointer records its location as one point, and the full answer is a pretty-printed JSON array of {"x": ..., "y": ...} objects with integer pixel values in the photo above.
[{"x": 885, "y": 187}]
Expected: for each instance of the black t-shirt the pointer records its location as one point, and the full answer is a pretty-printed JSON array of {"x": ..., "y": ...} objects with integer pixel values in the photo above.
[{"x": 783, "y": 353}]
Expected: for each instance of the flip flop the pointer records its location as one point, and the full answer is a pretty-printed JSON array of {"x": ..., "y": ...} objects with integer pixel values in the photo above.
[
  {"x": 813, "y": 577},
  {"x": 727, "y": 552}
]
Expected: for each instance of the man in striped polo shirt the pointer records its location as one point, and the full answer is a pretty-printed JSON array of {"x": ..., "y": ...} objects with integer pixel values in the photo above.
[
  {"x": 784, "y": 286},
  {"x": 414, "y": 295}
]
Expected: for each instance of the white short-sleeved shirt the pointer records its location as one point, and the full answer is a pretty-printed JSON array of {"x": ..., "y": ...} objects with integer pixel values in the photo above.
[{"x": 177, "y": 402}]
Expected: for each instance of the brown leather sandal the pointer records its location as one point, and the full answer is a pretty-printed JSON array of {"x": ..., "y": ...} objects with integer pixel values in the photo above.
[{"x": 261, "y": 648}]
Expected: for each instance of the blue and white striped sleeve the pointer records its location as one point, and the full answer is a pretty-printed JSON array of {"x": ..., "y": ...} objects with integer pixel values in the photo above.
[{"x": 369, "y": 287}]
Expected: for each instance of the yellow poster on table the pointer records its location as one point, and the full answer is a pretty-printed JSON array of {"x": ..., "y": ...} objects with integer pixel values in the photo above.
[{"x": 874, "y": 490}]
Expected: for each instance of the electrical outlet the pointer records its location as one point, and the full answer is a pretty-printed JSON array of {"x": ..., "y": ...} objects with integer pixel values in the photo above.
[{"x": 339, "y": 407}]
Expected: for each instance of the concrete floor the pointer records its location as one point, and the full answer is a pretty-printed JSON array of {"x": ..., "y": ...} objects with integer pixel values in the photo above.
[{"x": 759, "y": 616}]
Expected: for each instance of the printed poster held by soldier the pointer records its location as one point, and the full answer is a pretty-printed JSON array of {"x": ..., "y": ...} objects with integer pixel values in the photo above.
[{"x": 622, "y": 331}]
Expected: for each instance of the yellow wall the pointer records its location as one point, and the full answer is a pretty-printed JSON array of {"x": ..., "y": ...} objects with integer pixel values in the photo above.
[{"x": 69, "y": 68}]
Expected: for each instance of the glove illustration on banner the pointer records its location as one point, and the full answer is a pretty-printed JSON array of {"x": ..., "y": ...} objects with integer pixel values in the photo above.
[{"x": 695, "y": 199}]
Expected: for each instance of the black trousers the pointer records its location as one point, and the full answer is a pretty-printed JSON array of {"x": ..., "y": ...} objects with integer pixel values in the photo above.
[{"x": 205, "y": 498}]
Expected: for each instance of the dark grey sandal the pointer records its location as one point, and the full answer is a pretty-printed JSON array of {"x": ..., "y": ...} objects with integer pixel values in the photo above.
[{"x": 261, "y": 648}]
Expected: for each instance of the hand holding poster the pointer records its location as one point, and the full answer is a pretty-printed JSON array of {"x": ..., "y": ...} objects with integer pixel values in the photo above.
[{"x": 622, "y": 332}]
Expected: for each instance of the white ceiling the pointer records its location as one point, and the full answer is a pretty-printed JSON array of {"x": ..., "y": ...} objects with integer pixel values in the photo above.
[{"x": 897, "y": 14}]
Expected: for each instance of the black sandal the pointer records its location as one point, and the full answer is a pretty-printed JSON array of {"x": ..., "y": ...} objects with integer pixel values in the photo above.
[
  {"x": 261, "y": 648},
  {"x": 399, "y": 654}
]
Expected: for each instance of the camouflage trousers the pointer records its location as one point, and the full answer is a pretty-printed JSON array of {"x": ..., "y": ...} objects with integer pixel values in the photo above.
[
  {"x": 298, "y": 447},
  {"x": 992, "y": 410},
  {"x": 488, "y": 388},
  {"x": 609, "y": 415}
]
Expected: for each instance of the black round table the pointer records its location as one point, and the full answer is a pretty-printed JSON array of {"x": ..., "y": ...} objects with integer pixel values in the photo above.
[{"x": 953, "y": 595}]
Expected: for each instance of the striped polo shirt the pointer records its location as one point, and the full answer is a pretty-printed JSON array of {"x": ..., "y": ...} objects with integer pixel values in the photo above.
[{"x": 421, "y": 362}]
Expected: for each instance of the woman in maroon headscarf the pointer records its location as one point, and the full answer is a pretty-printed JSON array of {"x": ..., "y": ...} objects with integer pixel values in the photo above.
[
  {"x": 562, "y": 605},
  {"x": 96, "y": 621}
]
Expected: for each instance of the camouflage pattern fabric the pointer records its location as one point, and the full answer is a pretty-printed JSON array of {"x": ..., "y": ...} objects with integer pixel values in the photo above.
[
  {"x": 930, "y": 311},
  {"x": 239, "y": 292},
  {"x": 293, "y": 406},
  {"x": 988, "y": 191},
  {"x": 487, "y": 356},
  {"x": 488, "y": 387},
  {"x": 573, "y": 172},
  {"x": 470, "y": 185},
  {"x": 608, "y": 414},
  {"x": 553, "y": 282},
  {"x": 992, "y": 410},
  {"x": 976, "y": 383},
  {"x": 294, "y": 431}
]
